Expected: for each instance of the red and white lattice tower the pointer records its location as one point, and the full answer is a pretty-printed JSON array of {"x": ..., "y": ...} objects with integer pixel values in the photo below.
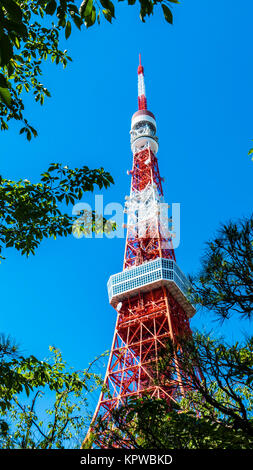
[{"x": 149, "y": 295}]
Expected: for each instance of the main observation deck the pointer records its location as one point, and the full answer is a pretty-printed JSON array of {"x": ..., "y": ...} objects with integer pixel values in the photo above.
[{"x": 147, "y": 276}]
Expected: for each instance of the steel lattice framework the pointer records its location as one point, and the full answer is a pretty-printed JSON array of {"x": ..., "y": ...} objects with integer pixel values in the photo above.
[{"x": 149, "y": 295}]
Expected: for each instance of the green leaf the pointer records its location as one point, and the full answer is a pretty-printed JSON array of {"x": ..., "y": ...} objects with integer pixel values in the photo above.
[
  {"x": 78, "y": 22},
  {"x": 107, "y": 15},
  {"x": 68, "y": 30},
  {"x": 51, "y": 7},
  {"x": 108, "y": 5},
  {"x": 18, "y": 29},
  {"x": 4, "y": 125},
  {"x": 167, "y": 13},
  {"x": 73, "y": 9},
  {"x": 6, "y": 50},
  {"x": 90, "y": 20},
  {"x": 34, "y": 132},
  {"x": 14, "y": 11},
  {"x": 5, "y": 94},
  {"x": 86, "y": 8},
  {"x": 3, "y": 81}
]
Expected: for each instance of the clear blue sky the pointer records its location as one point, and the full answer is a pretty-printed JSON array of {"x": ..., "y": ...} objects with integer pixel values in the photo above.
[{"x": 199, "y": 86}]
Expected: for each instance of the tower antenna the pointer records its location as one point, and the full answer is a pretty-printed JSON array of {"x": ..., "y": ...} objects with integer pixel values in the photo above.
[{"x": 142, "y": 100}]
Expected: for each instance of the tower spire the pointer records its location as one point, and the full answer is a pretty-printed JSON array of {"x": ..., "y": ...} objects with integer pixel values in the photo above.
[{"x": 142, "y": 100}]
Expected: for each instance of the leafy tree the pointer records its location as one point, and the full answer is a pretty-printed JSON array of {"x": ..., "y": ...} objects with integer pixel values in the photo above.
[
  {"x": 28, "y": 38},
  {"x": 8, "y": 353},
  {"x": 250, "y": 152},
  {"x": 26, "y": 422},
  {"x": 216, "y": 412},
  {"x": 225, "y": 283},
  {"x": 29, "y": 212}
]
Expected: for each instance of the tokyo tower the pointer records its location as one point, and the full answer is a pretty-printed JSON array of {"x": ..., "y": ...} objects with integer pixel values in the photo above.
[{"x": 149, "y": 294}]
